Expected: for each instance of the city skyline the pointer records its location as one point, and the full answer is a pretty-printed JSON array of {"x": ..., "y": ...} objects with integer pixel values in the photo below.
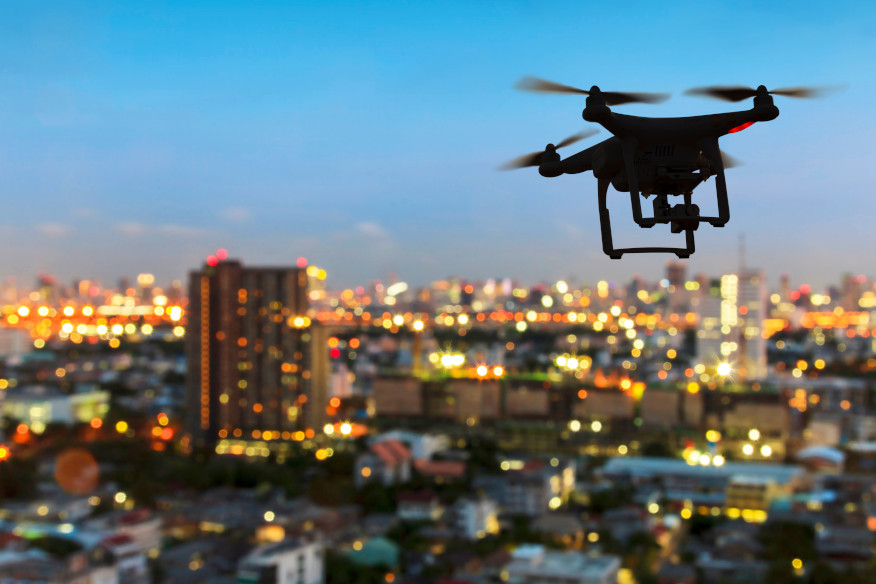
[
  {"x": 129, "y": 278},
  {"x": 365, "y": 138}
]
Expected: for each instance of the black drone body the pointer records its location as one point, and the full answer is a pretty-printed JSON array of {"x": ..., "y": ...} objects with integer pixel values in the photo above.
[{"x": 655, "y": 156}]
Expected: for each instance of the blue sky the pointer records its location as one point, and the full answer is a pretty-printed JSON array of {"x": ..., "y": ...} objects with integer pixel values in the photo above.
[{"x": 140, "y": 137}]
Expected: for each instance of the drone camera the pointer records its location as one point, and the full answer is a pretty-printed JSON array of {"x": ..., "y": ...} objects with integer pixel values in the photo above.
[{"x": 685, "y": 217}]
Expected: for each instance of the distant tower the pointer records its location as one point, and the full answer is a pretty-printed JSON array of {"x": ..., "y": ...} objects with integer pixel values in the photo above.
[
  {"x": 676, "y": 274},
  {"x": 257, "y": 366},
  {"x": 852, "y": 289},
  {"x": 753, "y": 310},
  {"x": 785, "y": 287}
]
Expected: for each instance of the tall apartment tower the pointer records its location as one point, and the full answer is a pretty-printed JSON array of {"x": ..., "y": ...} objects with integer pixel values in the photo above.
[
  {"x": 753, "y": 310},
  {"x": 257, "y": 366},
  {"x": 732, "y": 311}
]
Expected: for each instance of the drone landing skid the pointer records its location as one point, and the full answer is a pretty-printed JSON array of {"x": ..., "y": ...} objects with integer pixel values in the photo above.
[{"x": 617, "y": 253}]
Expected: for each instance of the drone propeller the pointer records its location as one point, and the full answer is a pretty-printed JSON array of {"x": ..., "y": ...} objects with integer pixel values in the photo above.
[
  {"x": 534, "y": 158},
  {"x": 729, "y": 161},
  {"x": 611, "y": 97},
  {"x": 740, "y": 92}
]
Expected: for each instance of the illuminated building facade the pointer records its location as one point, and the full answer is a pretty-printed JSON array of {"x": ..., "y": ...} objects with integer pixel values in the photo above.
[
  {"x": 752, "y": 308},
  {"x": 254, "y": 372},
  {"x": 732, "y": 311}
]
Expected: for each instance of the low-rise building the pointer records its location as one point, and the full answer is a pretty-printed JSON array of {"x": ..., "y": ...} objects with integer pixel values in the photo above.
[
  {"x": 531, "y": 489},
  {"x": 386, "y": 463},
  {"x": 532, "y": 564},
  {"x": 37, "y": 406},
  {"x": 476, "y": 517},
  {"x": 129, "y": 559},
  {"x": 753, "y": 493},
  {"x": 291, "y": 561},
  {"x": 29, "y": 566},
  {"x": 419, "y": 506},
  {"x": 422, "y": 446},
  {"x": 141, "y": 525}
]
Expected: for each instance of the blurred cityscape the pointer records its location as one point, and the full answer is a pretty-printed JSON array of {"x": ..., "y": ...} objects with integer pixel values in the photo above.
[{"x": 251, "y": 424}]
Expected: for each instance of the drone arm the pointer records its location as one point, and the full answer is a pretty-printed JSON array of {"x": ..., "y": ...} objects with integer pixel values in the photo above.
[
  {"x": 578, "y": 163},
  {"x": 551, "y": 165}
]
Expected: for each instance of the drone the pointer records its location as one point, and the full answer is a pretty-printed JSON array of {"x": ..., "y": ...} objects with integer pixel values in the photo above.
[{"x": 664, "y": 157}]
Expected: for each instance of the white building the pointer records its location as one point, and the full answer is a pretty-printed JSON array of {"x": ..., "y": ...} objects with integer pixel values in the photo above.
[
  {"x": 532, "y": 564},
  {"x": 476, "y": 518},
  {"x": 38, "y": 406},
  {"x": 290, "y": 561}
]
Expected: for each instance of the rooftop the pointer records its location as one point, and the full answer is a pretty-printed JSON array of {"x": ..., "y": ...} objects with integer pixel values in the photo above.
[
  {"x": 531, "y": 559},
  {"x": 647, "y": 466}
]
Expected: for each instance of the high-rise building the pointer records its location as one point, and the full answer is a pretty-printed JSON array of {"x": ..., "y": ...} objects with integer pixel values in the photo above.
[
  {"x": 676, "y": 276},
  {"x": 732, "y": 311},
  {"x": 257, "y": 366},
  {"x": 753, "y": 310}
]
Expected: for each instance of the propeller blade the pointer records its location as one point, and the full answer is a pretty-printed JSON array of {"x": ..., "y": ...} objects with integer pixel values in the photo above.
[
  {"x": 808, "y": 92},
  {"x": 531, "y": 159},
  {"x": 534, "y": 158},
  {"x": 544, "y": 86},
  {"x": 576, "y": 137},
  {"x": 727, "y": 93},
  {"x": 740, "y": 92},
  {"x": 620, "y": 98},
  {"x": 729, "y": 161},
  {"x": 611, "y": 97}
]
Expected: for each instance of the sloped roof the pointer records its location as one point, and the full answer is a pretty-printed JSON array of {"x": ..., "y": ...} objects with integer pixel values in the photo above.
[
  {"x": 375, "y": 552},
  {"x": 391, "y": 452},
  {"x": 823, "y": 452},
  {"x": 426, "y": 496},
  {"x": 440, "y": 468}
]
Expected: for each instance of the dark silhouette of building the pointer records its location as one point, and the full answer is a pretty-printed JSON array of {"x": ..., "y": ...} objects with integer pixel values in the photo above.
[{"x": 257, "y": 366}]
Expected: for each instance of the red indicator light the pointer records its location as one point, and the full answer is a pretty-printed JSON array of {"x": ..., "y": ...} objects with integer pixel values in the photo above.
[
  {"x": 212, "y": 260},
  {"x": 221, "y": 254},
  {"x": 335, "y": 353},
  {"x": 740, "y": 128},
  {"x": 302, "y": 262}
]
